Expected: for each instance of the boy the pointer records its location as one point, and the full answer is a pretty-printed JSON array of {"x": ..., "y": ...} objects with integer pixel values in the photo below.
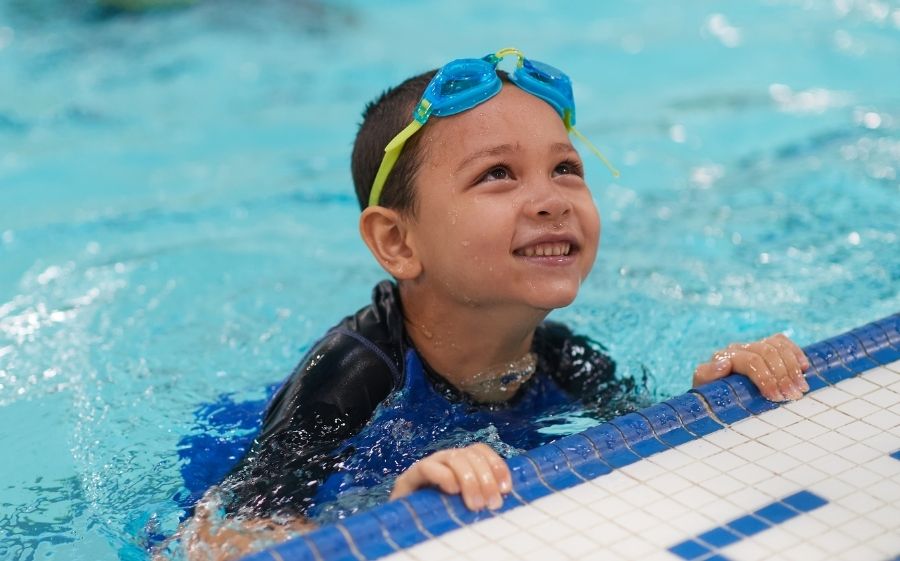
[{"x": 485, "y": 222}]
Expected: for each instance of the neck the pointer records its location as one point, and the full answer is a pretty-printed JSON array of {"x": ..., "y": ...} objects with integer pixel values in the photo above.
[{"x": 470, "y": 345}]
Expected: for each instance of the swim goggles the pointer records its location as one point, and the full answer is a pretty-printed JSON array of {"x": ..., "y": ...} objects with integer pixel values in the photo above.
[{"x": 464, "y": 83}]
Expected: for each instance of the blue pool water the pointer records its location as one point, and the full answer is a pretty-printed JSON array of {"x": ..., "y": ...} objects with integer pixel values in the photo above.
[{"x": 178, "y": 223}]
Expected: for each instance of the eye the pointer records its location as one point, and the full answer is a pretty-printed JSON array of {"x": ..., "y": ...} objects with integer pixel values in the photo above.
[
  {"x": 496, "y": 173},
  {"x": 569, "y": 167}
]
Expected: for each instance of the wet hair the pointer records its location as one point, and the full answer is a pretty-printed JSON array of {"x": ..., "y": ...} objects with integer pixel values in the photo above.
[{"x": 382, "y": 120}]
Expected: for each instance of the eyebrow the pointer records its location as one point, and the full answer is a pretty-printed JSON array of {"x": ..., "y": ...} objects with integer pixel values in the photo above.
[{"x": 555, "y": 148}]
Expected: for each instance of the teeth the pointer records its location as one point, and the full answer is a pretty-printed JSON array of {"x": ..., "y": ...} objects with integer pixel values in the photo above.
[{"x": 547, "y": 249}]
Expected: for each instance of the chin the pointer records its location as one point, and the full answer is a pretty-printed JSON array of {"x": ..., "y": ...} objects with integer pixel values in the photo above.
[{"x": 550, "y": 296}]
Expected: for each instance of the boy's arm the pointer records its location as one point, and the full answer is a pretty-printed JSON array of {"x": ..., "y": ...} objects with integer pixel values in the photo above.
[{"x": 775, "y": 364}]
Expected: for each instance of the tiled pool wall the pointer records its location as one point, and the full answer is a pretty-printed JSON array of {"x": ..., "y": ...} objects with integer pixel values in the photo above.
[{"x": 716, "y": 473}]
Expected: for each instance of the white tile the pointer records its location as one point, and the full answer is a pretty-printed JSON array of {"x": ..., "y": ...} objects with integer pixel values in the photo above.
[
  {"x": 859, "y": 453},
  {"x": 882, "y": 376},
  {"x": 887, "y": 543},
  {"x": 832, "y": 489},
  {"x": 805, "y": 451},
  {"x": 669, "y": 483},
  {"x": 857, "y": 386},
  {"x": 663, "y": 535},
  {"x": 859, "y": 408},
  {"x": 491, "y": 551},
  {"x": 752, "y": 451},
  {"x": 779, "y": 462},
  {"x": 753, "y": 427},
  {"x": 832, "y": 418},
  {"x": 641, "y": 495},
  {"x": 435, "y": 550},
  {"x": 895, "y": 366},
  {"x": 495, "y": 528},
  {"x": 695, "y": 497},
  {"x": 885, "y": 466},
  {"x": 832, "y": 514},
  {"x": 782, "y": 417},
  {"x": 885, "y": 442},
  {"x": 667, "y": 508},
  {"x": 575, "y": 546},
  {"x": 609, "y": 533},
  {"x": 861, "y": 552},
  {"x": 883, "y": 419},
  {"x": 699, "y": 449},
  {"x": 806, "y": 527},
  {"x": 777, "y": 487},
  {"x": 642, "y": 471},
  {"x": 834, "y": 540},
  {"x": 748, "y": 550},
  {"x": 859, "y": 477},
  {"x": 671, "y": 459},
  {"x": 883, "y": 398},
  {"x": 806, "y": 408},
  {"x": 831, "y": 396},
  {"x": 751, "y": 473},
  {"x": 804, "y": 475},
  {"x": 615, "y": 482},
  {"x": 723, "y": 485},
  {"x": 779, "y": 440},
  {"x": 582, "y": 519},
  {"x": 555, "y": 504},
  {"x": 862, "y": 529},
  {"x": 637, "y": 522},
  {"x": 806, "y": 430},
  {"x": 801, "y": 552},
  {"x": 832, "y": 441},
  {"x": 551, "y": 530},
  {"x": 726, "y": 439},
  {"x": 586, "y": 492},
  {"x": 547, "y": 553},
  {"x": 632, "y": 548},
  {"x": 525, "y": 516},
  {"x": 611, "y": 506},
  {"x": 725, "y": 461},
  {"x": 521, "y": 542},
  {"x": 699, "y": 472},
  {"x": 750, "y": 498},
  {"x": 888, "y": 516},
  {"x": 858, "y": 430},
  {"x": 692, "y": 523}
]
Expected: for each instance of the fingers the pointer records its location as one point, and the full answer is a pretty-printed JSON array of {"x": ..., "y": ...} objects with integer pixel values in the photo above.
[
  {"x": 476, "y": 472},
  {"x": 775, "y": 364},
  {"x": 707, "y": 372}
]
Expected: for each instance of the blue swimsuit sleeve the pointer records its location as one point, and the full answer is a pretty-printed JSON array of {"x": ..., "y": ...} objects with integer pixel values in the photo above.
[{"x": 329, "y": 398}]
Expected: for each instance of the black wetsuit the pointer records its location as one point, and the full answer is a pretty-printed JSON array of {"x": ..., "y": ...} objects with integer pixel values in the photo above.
[{"x": 362, "y": 406}]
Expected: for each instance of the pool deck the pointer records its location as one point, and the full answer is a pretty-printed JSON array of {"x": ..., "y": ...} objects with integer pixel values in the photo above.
[{"x": 716, "y": 473}]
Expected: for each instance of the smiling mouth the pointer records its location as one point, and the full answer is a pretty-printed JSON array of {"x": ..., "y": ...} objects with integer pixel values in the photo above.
[{"x": 550, "y": 249}]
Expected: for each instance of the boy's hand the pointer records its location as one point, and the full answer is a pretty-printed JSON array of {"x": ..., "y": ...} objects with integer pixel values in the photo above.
[
  {"x": 476, "y": 471},
  {"x": 775, "y": 364}
]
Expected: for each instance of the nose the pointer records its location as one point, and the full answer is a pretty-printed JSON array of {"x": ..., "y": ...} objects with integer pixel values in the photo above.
[{"x": 547, "y": 201}]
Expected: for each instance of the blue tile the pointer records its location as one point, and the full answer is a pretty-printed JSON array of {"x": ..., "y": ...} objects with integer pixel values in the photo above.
[
  {"x": 891, "y": 326},
  {"x": 850, "y": 355},
  {"x": 896, "y": 455},
  {"x": 365, "y": 530},
  {"x": 455, "y": 504},
  {"x": 835, "y": 374},
  {"x": 722, "y": 401},
  {"x": 432, "y": 511},
  {"x": 330, "y": 543},
  {"x": 638, "y": 434},
  {"x": 885, "y": 355},
  {"x": 822, "y": 357},
  {"x": 776, "y": 513},
  {"x": 609, "y": 442},
  {"x": 748, "y": 395},
  {"x": 583, "y": 457},
  {"x": 553, "y": 467},
  {"x": 716, "y": 557},
  {"x": 748, "y": 525},
  {"x": 296, "y": 549},
  {"x": 689, "y": 549},
  {"x": 872, "y": 337},
  {"x": 399, "y": 524},
  {"x": 693, "y": 414},
  {"x": 666, "y": 424},
  {"x": 804, "y": 501},
  {"x": 814, "y": 381},
  {"x": 848, "y": 347},
  {"x": 526, "y": 482},
  {"x": 719, "y": 537}
]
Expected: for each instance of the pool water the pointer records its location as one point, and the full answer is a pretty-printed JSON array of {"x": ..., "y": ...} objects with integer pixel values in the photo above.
[{"x": 178, "y": 221}]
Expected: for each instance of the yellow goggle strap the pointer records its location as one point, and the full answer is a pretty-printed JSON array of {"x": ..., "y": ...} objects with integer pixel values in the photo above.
[
  {"x": 391, "y": 153},
  {"x": 595, "y": 150}
]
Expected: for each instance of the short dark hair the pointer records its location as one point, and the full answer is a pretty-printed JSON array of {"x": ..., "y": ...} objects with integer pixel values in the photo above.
[{"x": 382, "y": 120}]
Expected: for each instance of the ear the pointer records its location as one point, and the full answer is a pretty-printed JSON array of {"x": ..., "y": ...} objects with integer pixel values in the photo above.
[{"x": 385, "y": 232}]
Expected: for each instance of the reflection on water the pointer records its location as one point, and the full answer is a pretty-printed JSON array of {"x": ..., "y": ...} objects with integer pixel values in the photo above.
[{"x": 179, "y": 224}]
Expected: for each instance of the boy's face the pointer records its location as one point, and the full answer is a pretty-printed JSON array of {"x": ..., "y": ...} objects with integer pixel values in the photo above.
[{"x": 504, "y": 215}]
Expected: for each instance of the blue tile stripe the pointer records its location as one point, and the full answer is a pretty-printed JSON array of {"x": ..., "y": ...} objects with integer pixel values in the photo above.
[
  {"x": 596, "y": 452},
  {"x": 707, "y": 546}
]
